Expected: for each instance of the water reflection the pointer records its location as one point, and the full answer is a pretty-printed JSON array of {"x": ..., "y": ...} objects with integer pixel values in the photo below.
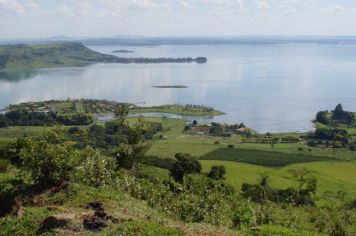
[
  {"x": 199, "y": 119},
  {"x": 17, "y": 75}
]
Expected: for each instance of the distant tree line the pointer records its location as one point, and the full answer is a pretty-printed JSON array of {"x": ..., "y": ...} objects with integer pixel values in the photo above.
[{"x": 24, "y": 118}]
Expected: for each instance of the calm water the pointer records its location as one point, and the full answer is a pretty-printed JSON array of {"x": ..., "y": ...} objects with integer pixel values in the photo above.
[{"x": 274, "y": 88}]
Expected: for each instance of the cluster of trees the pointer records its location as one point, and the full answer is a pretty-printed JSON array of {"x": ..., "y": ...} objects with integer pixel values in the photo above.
[
  {"x": 110, "y": 135},
  {"x": 338, "y": 116},
  {"x": 24, "y": 118},
  {"x": 189, "y": 107},
  {"x": 300, "y": 195},
  {"x": 343, "y": 116},
  {"x": 338, "y": 138},
  {"x": 218, "y": 130}
]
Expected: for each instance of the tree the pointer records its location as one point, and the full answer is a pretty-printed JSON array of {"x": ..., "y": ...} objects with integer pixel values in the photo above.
[
  {"x": 130, "y": 154},
  {"x": 304, "y": 178},
  {"x": 339, "y": 113},
  {"x": 306, "y": 186},
  {"x": 121, "y": 113},
  {"x": 217, "y": 172},
  {"x": 186, "y": 164},
  {"x": 321, "y": 117},
  {"x": 350, "y": 118},
  {"x": 257, "y": 192}
]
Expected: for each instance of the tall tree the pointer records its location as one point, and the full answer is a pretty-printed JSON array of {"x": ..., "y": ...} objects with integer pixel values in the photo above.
[
  {"x": 121, "y": 113},
  {"x": 131, "y": 153}
]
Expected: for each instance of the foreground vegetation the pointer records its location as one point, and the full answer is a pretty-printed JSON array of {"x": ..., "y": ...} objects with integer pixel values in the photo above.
[{"x": 154, "y": 176}]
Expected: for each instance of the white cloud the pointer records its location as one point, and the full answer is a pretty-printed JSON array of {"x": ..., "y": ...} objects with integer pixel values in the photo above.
[
  {"x": 30, "y": 4},
  {"x": 290, "y": 12},
  {"x": 185, "y": 4},
  {"x": 11, "y": 6},
  {"x": 334, "y": 8},
  {"x": 134, "y": 4},
  {"x": 221, "y": 3},
  {"x": 262, "y": 4}
]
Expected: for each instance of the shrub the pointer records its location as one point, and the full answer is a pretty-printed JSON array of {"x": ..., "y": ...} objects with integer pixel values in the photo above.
[
  {"x": 338, "y": 145},
  {"x": 47, "y": 163},
  {"x": 216, "y": 142},
  {"x": 95, "y": 170},
  {"x": 217, "y": 172},
  {"x": 230, "y": 146},
  {"x": 4, "y": 165},
  {"x": 165, "y": 163},
  {"x": 243, "y": 216},
  {"x": 186, "y": 164}
]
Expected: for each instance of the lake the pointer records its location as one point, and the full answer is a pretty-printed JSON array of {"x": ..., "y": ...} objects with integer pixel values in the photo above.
[{"x": 275, "y": 88}]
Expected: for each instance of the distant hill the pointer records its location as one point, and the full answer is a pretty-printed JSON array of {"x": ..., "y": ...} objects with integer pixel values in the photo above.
[
  {"x": 68, "y": 54},
  {"x": 49, "y": 55}
]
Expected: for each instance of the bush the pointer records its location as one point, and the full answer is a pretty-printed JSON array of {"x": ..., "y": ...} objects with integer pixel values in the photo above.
[
  {"x": 49, "y": 164},
  {"x": 4, "y": 165},
  {"x": 230, "y": 146},
  {"x": 243, "y": 216},
  {"x": 217, "y": 172},
  {"x": 95, "y": 170},
  {"x": 165, "y": 163},
  {"x": 186, "y": 164},
  {"x": 216, "y": 142}
]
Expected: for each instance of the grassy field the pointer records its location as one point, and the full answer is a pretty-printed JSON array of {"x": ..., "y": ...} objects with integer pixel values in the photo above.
[
  {"x": 332, "y": 176},
  {"x": 21, "y": 131},
  {"x": 204, "y": 147}
]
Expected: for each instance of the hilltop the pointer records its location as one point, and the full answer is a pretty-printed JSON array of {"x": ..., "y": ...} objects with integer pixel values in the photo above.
[
  {"x": 48, "y": 55},
  {"x": 68, "y": 54}
]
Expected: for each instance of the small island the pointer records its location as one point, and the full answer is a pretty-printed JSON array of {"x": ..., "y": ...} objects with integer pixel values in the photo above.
[
  {"x": 170, "y": 86},
  {"x": 123, "y": 51}
]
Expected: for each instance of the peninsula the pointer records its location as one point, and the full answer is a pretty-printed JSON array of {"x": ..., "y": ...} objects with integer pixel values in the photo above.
[{"x": 23, "y": 56}]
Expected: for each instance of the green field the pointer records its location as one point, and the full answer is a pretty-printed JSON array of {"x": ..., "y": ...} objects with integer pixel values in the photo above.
[
  {"x": 332, "y": 176},
  {"x": 245, "y": 162}
]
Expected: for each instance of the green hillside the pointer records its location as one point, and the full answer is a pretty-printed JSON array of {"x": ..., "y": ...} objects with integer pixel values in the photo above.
[
  {"x": 22, "y": 56},
  {"x": 48, "y": 55}
]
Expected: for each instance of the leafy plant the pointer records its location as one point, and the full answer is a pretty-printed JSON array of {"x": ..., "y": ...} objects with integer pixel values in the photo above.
[
  {"x": 95, "y": 169},
  {"x": 4, "y": 165},
  {"x": 186, "y": 164},
  {"x": 49, "y": 160},
  {"x": 217, "y": 172}
]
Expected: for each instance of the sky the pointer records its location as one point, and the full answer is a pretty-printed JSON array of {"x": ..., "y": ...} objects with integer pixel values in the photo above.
[{"x": 103, "y": 18}]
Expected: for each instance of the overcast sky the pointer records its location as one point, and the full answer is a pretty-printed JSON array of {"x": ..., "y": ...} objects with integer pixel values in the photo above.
[{"x": 43, "y": 18}]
